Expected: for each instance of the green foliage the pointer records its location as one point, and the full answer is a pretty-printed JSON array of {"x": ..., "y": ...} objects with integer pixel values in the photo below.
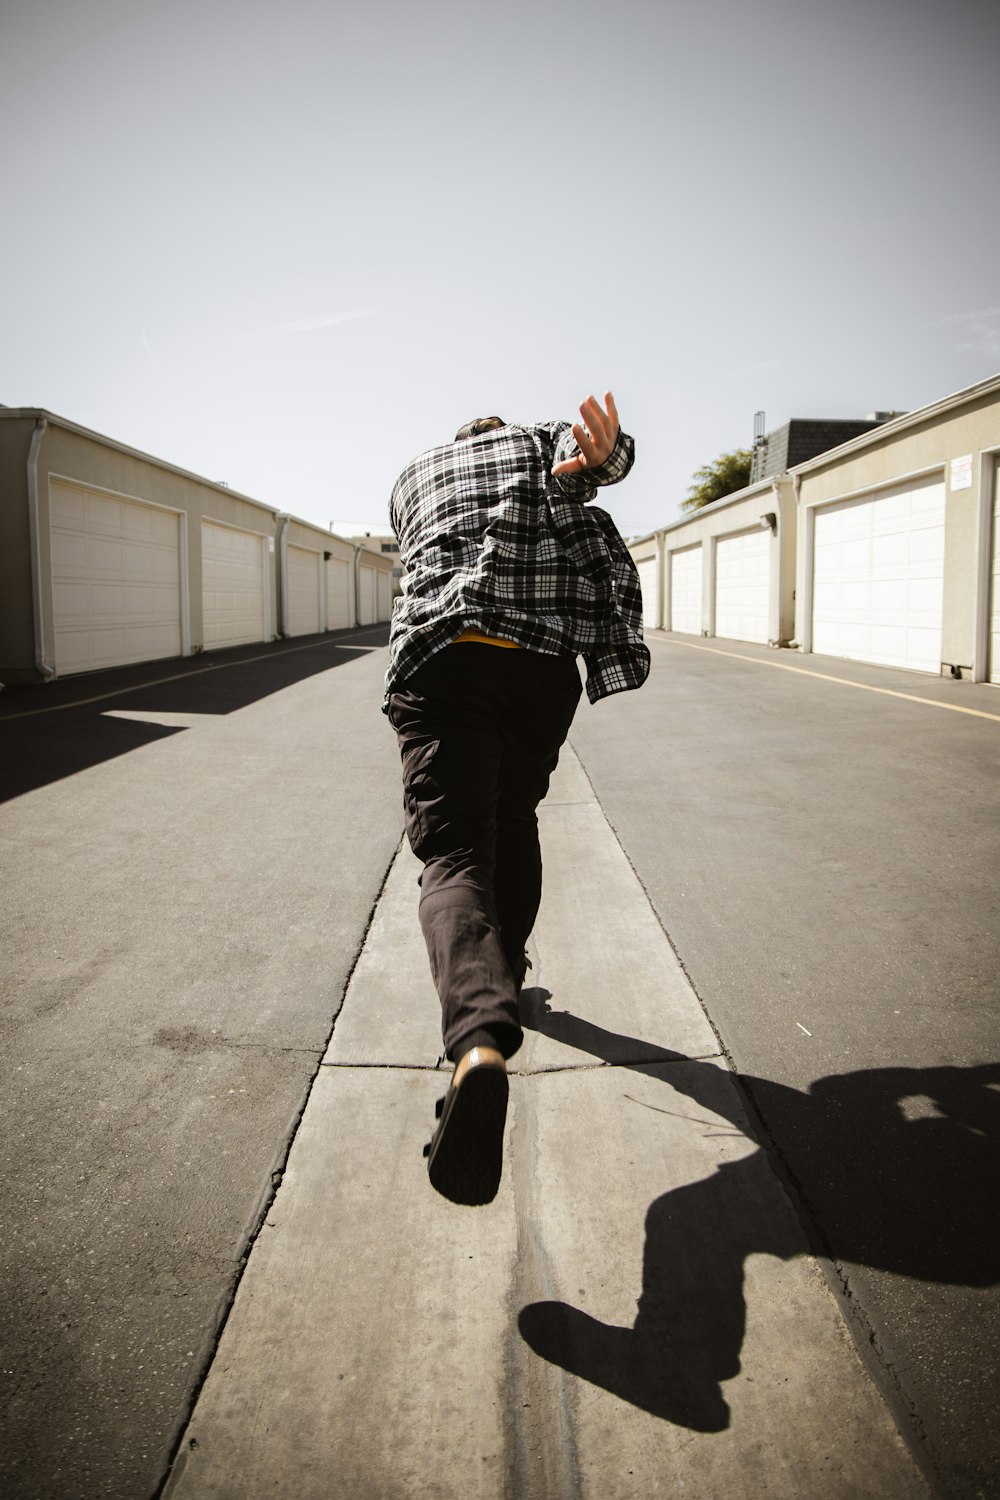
[{"x": 729, "y": 473}]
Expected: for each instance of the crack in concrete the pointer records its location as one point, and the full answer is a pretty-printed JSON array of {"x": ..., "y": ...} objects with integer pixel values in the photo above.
[
  {"x": 627, "y": 1064},
  {"x": 272, "y": 1047}
]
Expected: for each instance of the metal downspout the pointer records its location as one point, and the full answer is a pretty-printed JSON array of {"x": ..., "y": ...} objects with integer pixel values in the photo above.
[
  {"x": 283, "y": 519},
  {"x": 357, "y": 584},
  {"x": 661, "y": 556},
  {"x": 42, "y": 664},
  {"x": 775, "y": 637},
  {"x": 804, "y": 544}
]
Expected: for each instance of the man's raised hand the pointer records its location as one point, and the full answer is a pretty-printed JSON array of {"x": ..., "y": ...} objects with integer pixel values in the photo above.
[{"x": 595, "y": 436}]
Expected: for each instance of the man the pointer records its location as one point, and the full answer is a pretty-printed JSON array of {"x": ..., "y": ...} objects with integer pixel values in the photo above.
[{"x": 510, "y": 576}]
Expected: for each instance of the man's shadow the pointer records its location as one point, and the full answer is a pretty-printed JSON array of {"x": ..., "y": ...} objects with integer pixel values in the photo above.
[{"x": 897, "y": 1168}]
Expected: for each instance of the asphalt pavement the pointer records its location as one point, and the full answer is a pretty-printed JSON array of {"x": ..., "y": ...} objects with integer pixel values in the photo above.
[
  {"x": 745, "y": 1240},
  {"x": 821, "y": 840},
  {"x": 191, "y": 852}
]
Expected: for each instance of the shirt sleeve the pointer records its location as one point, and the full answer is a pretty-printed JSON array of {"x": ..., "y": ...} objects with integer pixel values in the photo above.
[
  {"x": 624, "y": 661},
  {"x": 584, "y": 485}
]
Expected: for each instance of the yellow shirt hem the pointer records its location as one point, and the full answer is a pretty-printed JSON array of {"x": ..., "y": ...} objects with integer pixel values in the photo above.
[{"x": 485, "y": 640}]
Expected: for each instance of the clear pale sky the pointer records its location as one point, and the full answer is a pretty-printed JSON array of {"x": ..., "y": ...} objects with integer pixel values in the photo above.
[{"x": 289, "y": 246}]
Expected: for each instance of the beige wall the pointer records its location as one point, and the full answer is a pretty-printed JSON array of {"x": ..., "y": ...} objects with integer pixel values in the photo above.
[
  {"x": 297, "y": 533},
  {"x": 373, "y": 541},
  {"x": 644, "y": 549},
  {"x": 727, "y": 517},
  {"x": 315, "y": 539}
]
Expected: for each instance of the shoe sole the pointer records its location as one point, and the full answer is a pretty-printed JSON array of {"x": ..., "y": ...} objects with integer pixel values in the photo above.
[{"x": 466, "y": 1156}]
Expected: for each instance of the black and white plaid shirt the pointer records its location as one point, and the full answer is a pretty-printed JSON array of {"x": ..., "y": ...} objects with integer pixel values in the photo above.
[{"x": 490, "y": 540}]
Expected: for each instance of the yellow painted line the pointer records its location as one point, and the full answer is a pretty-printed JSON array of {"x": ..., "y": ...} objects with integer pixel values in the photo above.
[
  {"x": 139, "y": 687},
  {"x": 955, "y": 708}
]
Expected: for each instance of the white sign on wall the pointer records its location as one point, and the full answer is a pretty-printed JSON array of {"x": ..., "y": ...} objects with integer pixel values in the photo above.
[{"x": 961, "y": 472}]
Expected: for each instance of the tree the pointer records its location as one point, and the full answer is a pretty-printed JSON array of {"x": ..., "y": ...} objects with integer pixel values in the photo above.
[{"x": 729, "y": 473}]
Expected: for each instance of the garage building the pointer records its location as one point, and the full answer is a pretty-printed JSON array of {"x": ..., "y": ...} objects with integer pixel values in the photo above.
[
  {"x": 109, "y": 556},
  {"x": 884, "y": 549}
]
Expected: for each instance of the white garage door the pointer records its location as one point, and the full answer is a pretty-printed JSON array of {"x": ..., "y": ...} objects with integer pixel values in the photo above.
[
  {"x": 116, "y": 593},
  {"x": 232, "y": 584},
  {"x": 878, "y": 570},
  {"x": 743, "y": 586},
  {"x": 338, "y": 594},
  {"x": 366, "y": 601},
  {"x": 685, "y": 590},
  {"x": 302, "y": 573},
  {"x": 647, "y": 581}
]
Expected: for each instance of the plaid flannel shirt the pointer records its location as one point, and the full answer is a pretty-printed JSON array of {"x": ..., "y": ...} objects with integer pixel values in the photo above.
[{"x": 489, "y": 539}]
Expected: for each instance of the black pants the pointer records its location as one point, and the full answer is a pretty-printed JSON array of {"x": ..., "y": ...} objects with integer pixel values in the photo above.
[{"x": 480, "y": 729}]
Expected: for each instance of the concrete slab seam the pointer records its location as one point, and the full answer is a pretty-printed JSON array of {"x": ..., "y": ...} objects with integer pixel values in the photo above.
[
  {"x": 628, "y": 1063},
  {"x": 262, "y": 1208},
  {"x": 723, "y": 1050}
]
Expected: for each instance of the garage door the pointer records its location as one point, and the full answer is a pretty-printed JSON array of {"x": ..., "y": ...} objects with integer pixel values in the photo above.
[
  {"x": 232, "y": 572},
  {"x": 647, "y": 580},
  {"x": 743, "y": 586},
  {"x": 384, "y": 595},
  {"x": 878, "y": 570},
  {"x": 338, "y": 594},
  {"x": 366, "y": 599},
  {"x": 302, "y": 574},
  {"x": 116, "y": 594},
  {"x": 685, "y": 590}
]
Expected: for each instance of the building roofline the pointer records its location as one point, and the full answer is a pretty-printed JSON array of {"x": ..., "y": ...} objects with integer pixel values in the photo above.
[
  {"x": 40, "y": 414},
  {"x": 900, "y": 424},
  {"x": 963, "y": 397},
  {"x": 707, "y": 510}
]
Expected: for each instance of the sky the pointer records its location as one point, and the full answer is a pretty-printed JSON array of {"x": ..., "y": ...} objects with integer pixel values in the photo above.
[{"x": 290, "y": 246}]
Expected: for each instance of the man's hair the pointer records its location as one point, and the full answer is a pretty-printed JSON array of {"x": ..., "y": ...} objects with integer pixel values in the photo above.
[{"x": 481, "y": 424}]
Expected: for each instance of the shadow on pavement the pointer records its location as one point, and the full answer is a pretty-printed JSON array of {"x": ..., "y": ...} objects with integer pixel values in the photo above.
[
  {"x": 897, "y": 1167},
  {"x": 47, "y": 733}
]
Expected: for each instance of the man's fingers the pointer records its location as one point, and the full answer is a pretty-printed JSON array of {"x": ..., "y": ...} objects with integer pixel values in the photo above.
[
  {"x": 595, "y": 419},
  {"x": 595, "y": 437},
  {"x": 602, "y": 425},
  {"x": 603, "y": 422},
  {"x": 586, "y": 444}
]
